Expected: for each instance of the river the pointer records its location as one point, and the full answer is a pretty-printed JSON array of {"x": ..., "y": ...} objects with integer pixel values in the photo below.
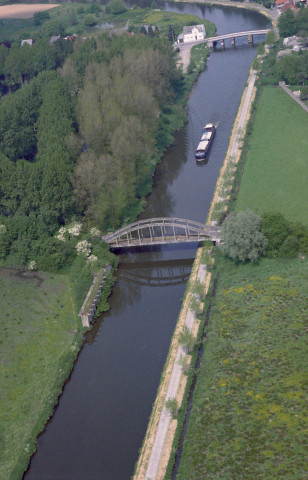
[{"x": 100, "y": 422}]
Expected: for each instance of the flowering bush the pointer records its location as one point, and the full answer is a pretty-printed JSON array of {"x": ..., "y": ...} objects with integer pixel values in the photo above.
[
  {"x": 92, "y": 259},
  {"x": 84, "y": 248},
  {"x": 61, "y": 234},
  {"x": 32, "y": 266},
  {"x": 2, "y": 228},
  {"x": 94, "y": 232},
  {"x": 74, "y": 229}
]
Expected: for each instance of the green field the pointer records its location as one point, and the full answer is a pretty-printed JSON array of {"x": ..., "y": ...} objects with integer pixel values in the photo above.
[
  {"x": 276, "y": 170},
  {"x": 40, "y": 337},
  {"x": 249, "y": 417}
]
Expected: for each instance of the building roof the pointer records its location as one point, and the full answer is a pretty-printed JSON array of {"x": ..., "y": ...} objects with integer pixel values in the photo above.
[
  {"x": 54, "y": 38},
  {"x": 281, "y": 2},
  {"x": 187, "y": 30},
  {"x": 289, "y": 5},
  {"x": 28, "y": 41}
]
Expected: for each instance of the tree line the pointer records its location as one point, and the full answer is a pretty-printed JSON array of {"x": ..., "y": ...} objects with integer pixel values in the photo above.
[{"x": 80, "y": 141}]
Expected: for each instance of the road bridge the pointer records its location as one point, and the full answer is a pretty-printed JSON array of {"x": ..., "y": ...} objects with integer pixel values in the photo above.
[
  {"x": 161, "y": 231},
  {"x": 212, "y": 41}
]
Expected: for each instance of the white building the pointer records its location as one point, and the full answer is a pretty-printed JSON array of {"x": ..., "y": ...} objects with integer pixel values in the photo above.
[{"x": 192, "y": 34}]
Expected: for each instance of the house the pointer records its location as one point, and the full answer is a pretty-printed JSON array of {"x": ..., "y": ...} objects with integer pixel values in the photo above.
[
  {"x": 288, "y": 5},
  {"x": 279, "y": 3},
  {"x": 296, "y": 43},
  {"x": 283, "y": 5},
  {"x": 192, "y": 34},
  {"x": 28, "y": 41}
]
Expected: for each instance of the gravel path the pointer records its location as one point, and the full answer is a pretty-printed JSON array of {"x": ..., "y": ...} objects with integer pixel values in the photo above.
[{"x": 165, "y": 418}]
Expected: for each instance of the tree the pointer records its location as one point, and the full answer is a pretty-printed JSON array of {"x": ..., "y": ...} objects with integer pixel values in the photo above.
[
  {"x": 270, "y": 37},
  {"x": 117, "y": 6},
  {"x": 187, "y": 340},
  {"x": 171, "y": 34},
  {"x": 287, "y": 23},
  {"x": 304, "y": 92},
  {"x": 90, "y": 20},
  {"x": 260, "y": 49},
  {"x": 172, "y": 406},
  {"x": 241, "y": 237}
]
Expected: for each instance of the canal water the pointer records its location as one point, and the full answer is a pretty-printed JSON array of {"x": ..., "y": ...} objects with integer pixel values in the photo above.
[{"x": 100, "y": 422}]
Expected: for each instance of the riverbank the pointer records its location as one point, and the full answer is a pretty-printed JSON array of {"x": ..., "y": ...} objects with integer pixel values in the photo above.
[
  {"x": 269, "y": 13},
  {"x": 250, "y": 396},
  {"x": 41, "y": 335},
  {"x": 157, "y": 450}
]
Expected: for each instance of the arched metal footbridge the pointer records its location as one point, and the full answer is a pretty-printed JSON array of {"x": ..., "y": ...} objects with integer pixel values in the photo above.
[{"x": 161, "y": 231}]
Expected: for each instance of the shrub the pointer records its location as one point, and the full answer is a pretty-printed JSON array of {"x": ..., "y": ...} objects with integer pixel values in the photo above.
[
  {"x": 172, "y": 406},
  {"x": 276, "y": 229},
  {"x": 241, "y": 236},
  {"x": 90, "y": 20},
  {"x": 117, "y": 6},
  {"x": 187, "y": 340},
  {"x": 289, "y": 248}
]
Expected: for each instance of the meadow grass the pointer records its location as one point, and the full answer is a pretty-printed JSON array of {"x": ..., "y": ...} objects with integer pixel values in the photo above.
[
  {"x": 276, "y": 170},
  {"x": 40, "y": 337},
  {"x": 249, "y": 417}
]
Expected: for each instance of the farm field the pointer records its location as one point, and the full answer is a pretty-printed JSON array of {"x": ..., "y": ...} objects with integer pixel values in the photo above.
[
  {"x": 40, "y": 336},
  {"x": 249, "y": 417},
  {"x": 276, "y": 170},
  {"x": 24, "y": 10}
]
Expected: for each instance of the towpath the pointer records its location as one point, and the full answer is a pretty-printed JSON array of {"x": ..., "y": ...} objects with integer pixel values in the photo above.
[{"x": 165, "y": 418}]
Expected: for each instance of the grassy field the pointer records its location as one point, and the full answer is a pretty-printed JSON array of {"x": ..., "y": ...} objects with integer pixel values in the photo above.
[
  {"x": 40, "y": 336},
  {"x": 276, "y": 170},
  {"x": 249, "y": 417}
]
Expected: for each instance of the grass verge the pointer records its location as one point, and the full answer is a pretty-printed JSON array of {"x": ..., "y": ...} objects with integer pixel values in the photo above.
[
  {"x": 276, "y": 168},
  {"x": 41, "y": 337},
  {"x": 249, "y": 416}
]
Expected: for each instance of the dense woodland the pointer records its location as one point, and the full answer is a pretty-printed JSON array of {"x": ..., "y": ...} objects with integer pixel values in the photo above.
[{"x": 80, "y": 137}]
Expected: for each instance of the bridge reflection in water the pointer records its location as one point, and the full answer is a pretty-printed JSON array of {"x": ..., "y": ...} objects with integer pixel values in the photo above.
[
  {"x": 138, "y": 275},
  {"x": 162, "y": 274}
]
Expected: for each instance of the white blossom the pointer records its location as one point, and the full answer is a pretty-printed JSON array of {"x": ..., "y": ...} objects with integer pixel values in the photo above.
[
  {"x": 92, "y": 259},
  {"x": 94, "y": 232},
  {"x": 74, "y": 229},
  {"x": 2, "y": 228},
  {"x": 84, "y": 248},
  {"x": 61, "y": 234},
  {"x": 32, "y": 265}
]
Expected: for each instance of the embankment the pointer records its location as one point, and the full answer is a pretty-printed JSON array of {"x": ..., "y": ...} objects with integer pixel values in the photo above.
[{"x": 157, "y": 446}]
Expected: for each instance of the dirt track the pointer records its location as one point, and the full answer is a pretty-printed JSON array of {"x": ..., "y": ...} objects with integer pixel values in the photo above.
[{"x": 25, "y": 10}]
